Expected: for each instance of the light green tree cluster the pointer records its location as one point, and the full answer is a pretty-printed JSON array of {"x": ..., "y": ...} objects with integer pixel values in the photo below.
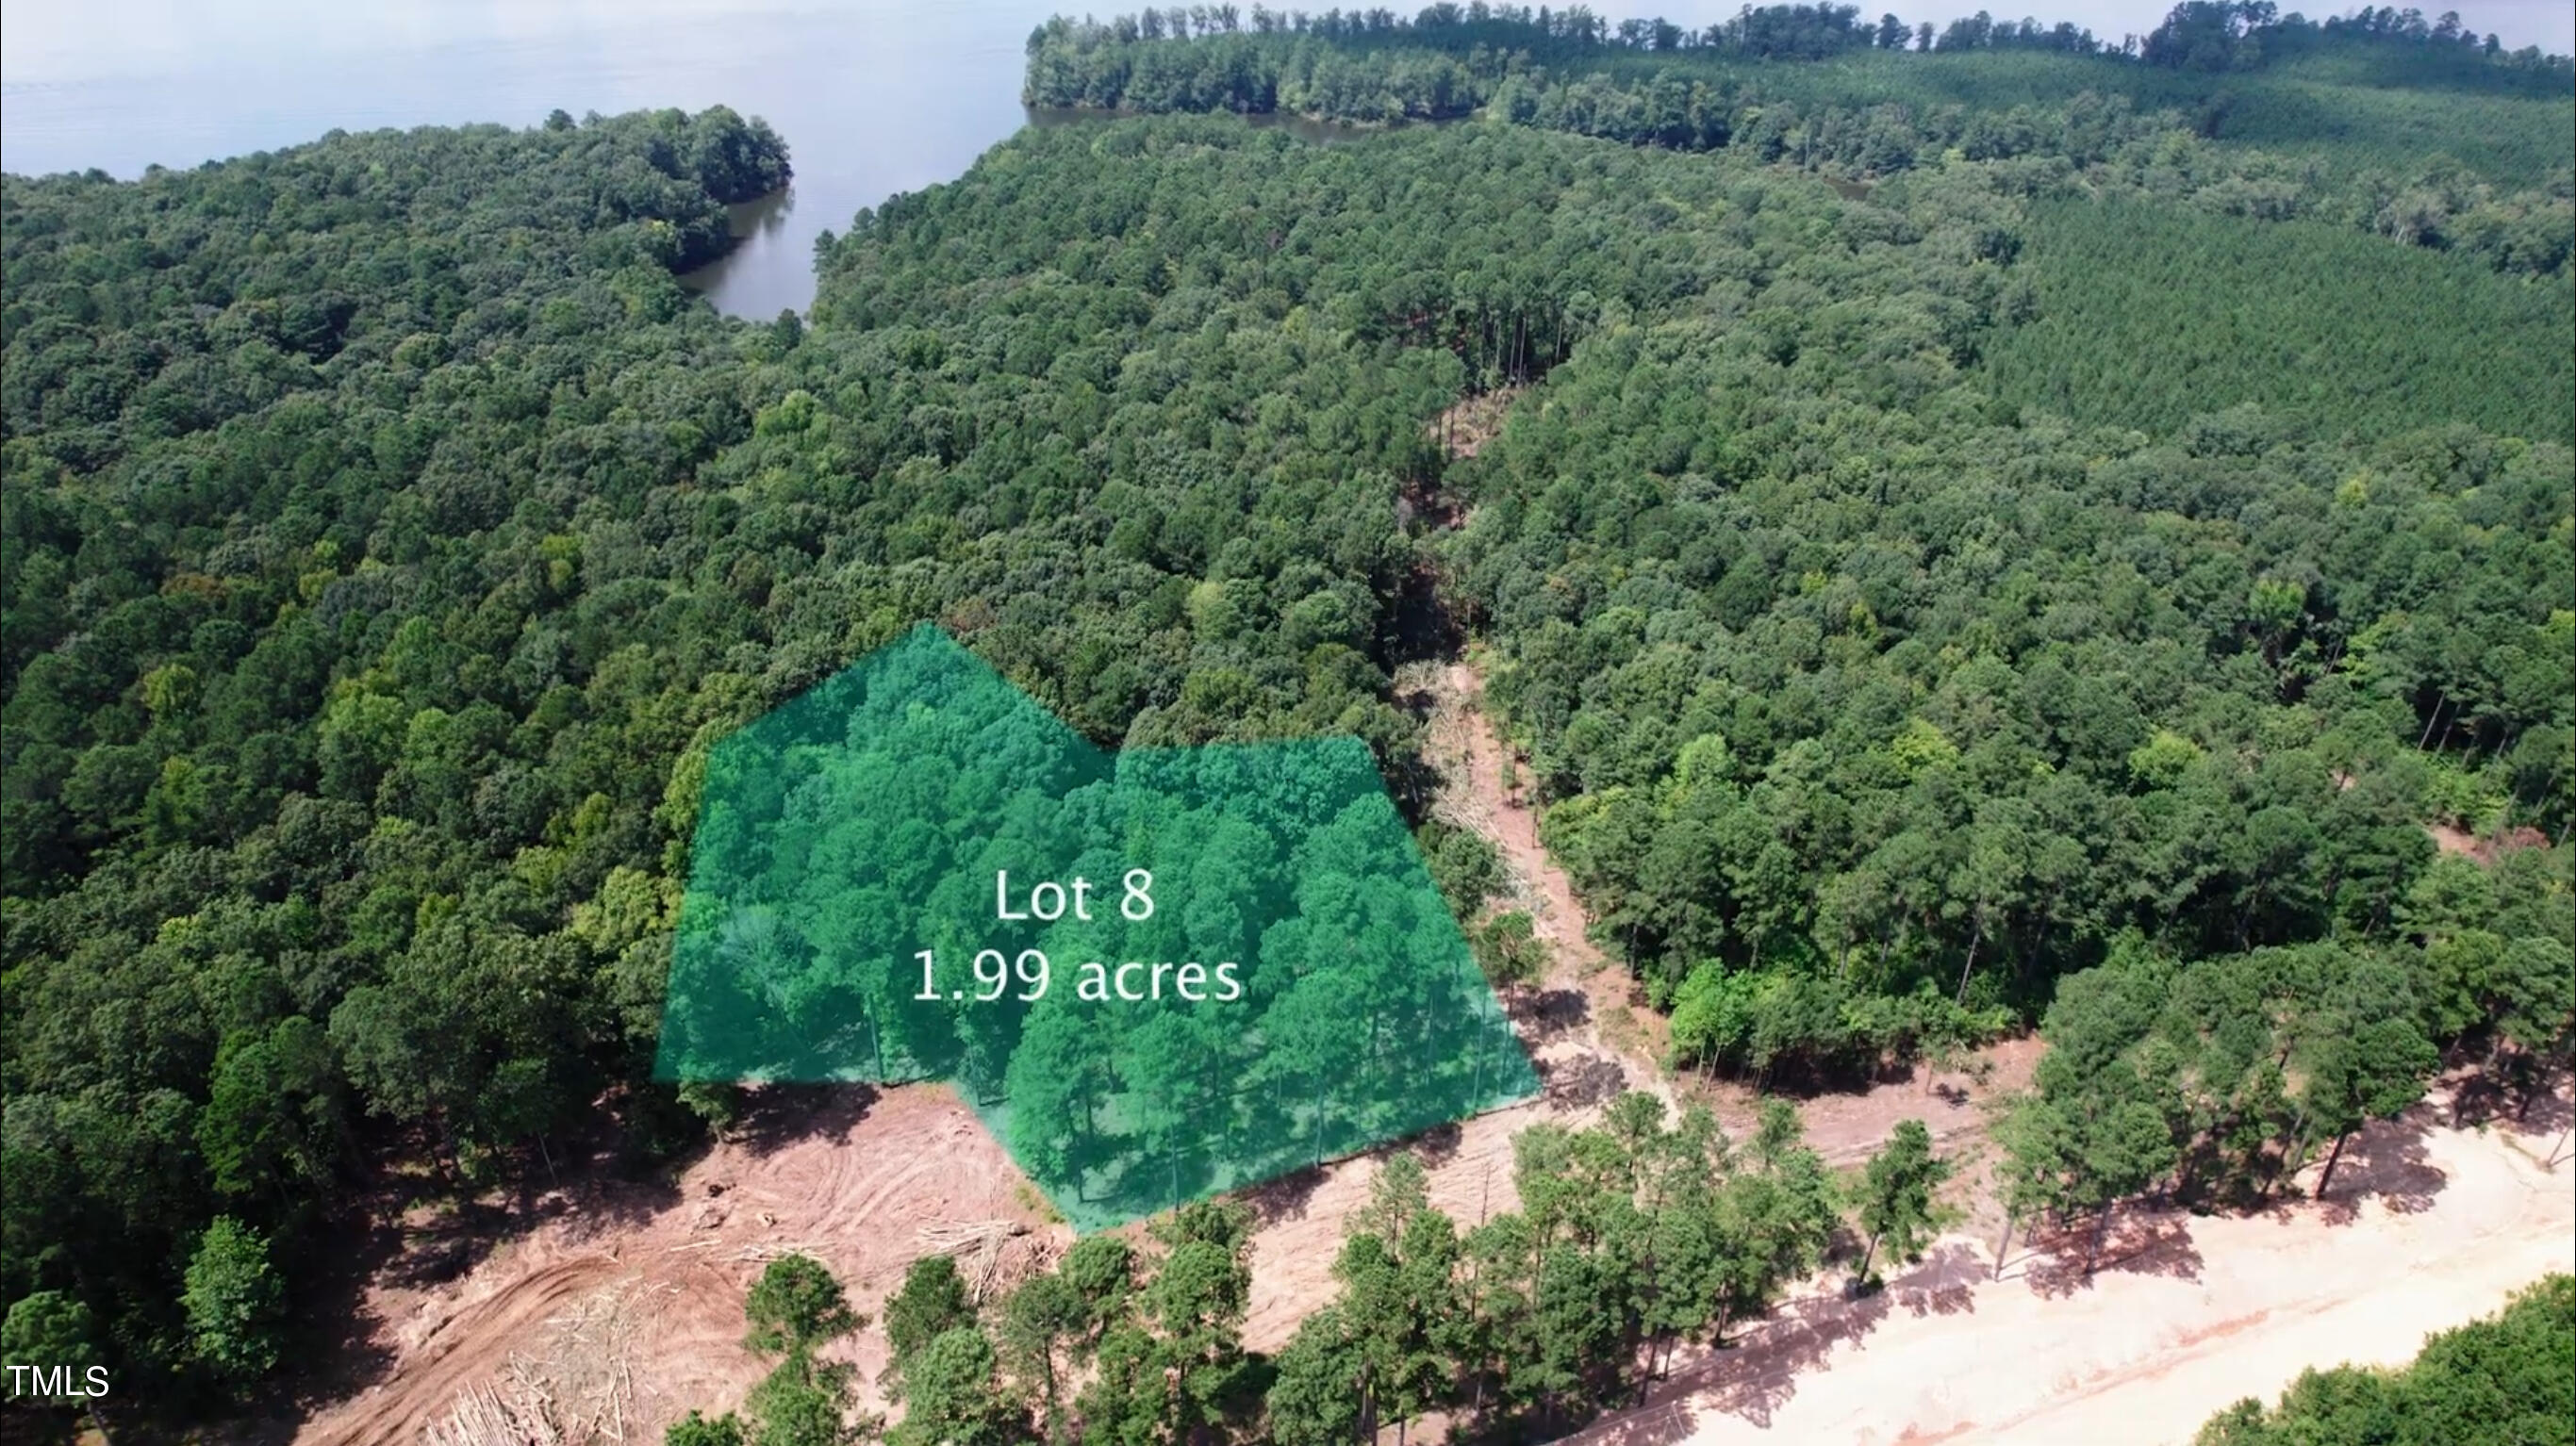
[{"x": 1630, "y": 1237}]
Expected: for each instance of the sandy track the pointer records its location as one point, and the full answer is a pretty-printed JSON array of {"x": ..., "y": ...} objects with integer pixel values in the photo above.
[
  {"x": 2186, "y": 1315},
  {"x": 1460, "y": 741}
]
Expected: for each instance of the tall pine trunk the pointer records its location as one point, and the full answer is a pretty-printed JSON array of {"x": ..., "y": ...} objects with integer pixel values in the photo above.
[
  {"x": 2101, "y": 1227},
  {"x": 2332, "y": 1156},
  {"x": 1976, "y": 937}
]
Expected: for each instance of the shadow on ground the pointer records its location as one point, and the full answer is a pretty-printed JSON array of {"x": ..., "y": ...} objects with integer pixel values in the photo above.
[
  {"x": 779, "y": 1115},
  {"x": 2517, "y": 1094},
  {"x": 2137, "y": 1240},
  {"x": 1943, "y": 1284},
  {"x": 1547, "y": 1014},
  {"x": 1756, "y": 1376},
  {"x": 2387, "y": 1161}
]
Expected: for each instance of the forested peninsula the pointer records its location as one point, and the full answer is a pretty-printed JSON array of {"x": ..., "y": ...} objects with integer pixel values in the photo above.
[{"x": 1982, "y": 536}]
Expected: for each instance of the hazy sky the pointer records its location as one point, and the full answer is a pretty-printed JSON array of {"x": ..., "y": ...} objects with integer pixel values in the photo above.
[{"x": 54, "y": 41}]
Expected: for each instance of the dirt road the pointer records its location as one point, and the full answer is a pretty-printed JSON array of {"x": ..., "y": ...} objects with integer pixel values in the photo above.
[
  {"x": 1459, "y": 740},
  {"x": 2185, "y": 1316}
]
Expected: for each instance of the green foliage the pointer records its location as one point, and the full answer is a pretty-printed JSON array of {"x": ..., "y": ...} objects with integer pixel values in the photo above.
[
  {"x": 1756, "y": 1021},
  {"x": 1896, "y": 1194},
  {"x": 2143, "y": 312},
  {"x": 697, "y": 1430},
  {"x": 794, "y": 1309},
  {"x": 1631, "y": 1235},
  {"x": 1466, "y": 867},
  {"x": 952, "y": 1393},
  {"x": 1044, "y": 1322},
  {"x": 801, "y": 1402},
  {"x": 1509, "y": 950},
  {"x": 1312, "y": 1401},
  {"x": 2508, "y": 1378},
  {"x": 797, "y": 1306},
  {"x": 234, "y": 1302},
  {"x": 52, "y": 1331},
  {"x": 2224, "y": 1075},
  {"x": 1101, "y": 1269},
  {"x": 932, "y": 1303}
]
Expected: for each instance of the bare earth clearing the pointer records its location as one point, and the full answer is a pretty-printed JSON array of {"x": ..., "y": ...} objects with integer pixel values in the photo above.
[
  {"x": 2430, "y": 1227},
  {"x": 851, "y": 1180}
]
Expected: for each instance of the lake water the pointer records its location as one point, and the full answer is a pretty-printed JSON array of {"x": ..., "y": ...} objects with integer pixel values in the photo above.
[{"x": 873, "y": 97}]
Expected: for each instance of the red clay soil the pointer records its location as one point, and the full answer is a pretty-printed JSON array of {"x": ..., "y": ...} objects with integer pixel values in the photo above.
[
  {"x": 852, "y": 1183},
  {"x": 2485, "y": 850}
]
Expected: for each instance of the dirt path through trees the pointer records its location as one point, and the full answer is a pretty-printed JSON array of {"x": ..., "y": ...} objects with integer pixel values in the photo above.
[
  {"x": 1609, "y": 1011},
  {"x": 1478, "y": 794}
]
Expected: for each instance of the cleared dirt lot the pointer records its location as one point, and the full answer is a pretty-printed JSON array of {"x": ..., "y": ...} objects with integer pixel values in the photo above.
[{"x": 849, "y": 1177}]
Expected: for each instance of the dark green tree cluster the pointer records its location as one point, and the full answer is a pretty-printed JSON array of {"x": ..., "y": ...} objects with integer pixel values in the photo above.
[
  {"x": 272, "y": 734},
  {"x": 794, "y": 1310},
  {"x": 2216, "y": 1079},
  {"x": 2506, "y": 1380},
  {"x": 2077, "y": 120},
  {"x": 1632, "y": 1236}
]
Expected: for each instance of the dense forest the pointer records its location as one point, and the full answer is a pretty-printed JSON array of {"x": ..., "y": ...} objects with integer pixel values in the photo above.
[
  {"x": 2510, "y": 1377},
  {"x": 2138, "y": 313},
  {"x": 388, "y": 538},
  {"x": 2467, "y": 153}
]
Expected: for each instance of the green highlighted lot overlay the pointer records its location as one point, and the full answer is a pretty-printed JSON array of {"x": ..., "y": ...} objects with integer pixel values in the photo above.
[{"x": 1157, "y": 974}]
